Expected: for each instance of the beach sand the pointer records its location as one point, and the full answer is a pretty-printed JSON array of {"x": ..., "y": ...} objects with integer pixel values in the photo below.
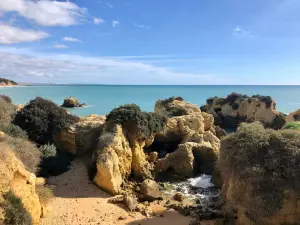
[{"x": 79, "y": 202}]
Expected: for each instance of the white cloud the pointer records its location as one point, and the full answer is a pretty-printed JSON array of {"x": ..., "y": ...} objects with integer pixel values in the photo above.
[
  {"x": 60, "y": 46},
  {"x": 13, "y": 35},
  {"x": 240, "y": 32},
  {"x": 109, "y": 5},
  {"x": 98, "y": 20},
  {"x": 45, "y": 12},
  {"x": 26, "y": 63},
  {"x": 71, "y": 39},
  {"x": 115, "y": 23},
  {"x": 141, "y": 26}
]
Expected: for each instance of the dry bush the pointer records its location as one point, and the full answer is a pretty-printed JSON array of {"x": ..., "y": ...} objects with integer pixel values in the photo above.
[
  {"x": 14, "y": 211},
  {"x": 7, "y": 111},
  {"x": 26, "y": 151}
]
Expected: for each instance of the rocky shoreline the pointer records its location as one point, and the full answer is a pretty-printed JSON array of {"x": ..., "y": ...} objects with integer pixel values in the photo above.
[{"x": 178, "y": 156}]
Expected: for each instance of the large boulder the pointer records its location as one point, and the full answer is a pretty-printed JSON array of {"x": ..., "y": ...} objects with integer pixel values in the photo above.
[
  {"x": 82, "y": 136},
  {"x": 294, "y": 116},
  {"x": 117, "y": 157},
  {"x": 14, "y": 177},
  {"x": 235, "y": 108}
]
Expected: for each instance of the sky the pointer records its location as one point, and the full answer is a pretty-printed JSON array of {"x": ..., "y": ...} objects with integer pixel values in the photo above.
[{"x": 178, "y": 42}]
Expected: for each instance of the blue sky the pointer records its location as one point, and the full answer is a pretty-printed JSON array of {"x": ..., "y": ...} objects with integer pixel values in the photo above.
[{"x": 151, "y": 42}]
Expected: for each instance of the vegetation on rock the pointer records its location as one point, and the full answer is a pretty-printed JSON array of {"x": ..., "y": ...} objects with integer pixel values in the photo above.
[
  {"x": 135, "y": 121},
  {"x": 14, "y": 211},
  {"x": 25, "y": 151},
  {"x": 292, "y": 125},
  {"x": 13, "y": 131},
  {"x": 172, "y": 110},
  {"x": 45, "y": 194},
  {"x": 7, "y": 111},
  {"x": 6, "y": 98},
  {"x": 264, "y": 160},
  {"x": 43, "y": 120}
]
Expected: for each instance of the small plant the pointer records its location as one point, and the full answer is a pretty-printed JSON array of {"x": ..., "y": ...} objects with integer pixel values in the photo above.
[
  {"x": 14, "y": 211},
  {"x": 43, "y": 120},
  {"x": 48, "y": 150},
  {"x": 267, "y": 99},
  {"x": 13, "y": 130},
  {"x": 292, "y": 125},
  {"x": 176, "y": 111}
]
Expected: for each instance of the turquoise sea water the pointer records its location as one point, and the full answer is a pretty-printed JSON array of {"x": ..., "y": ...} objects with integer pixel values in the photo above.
[{"x": 103, "y": 98}]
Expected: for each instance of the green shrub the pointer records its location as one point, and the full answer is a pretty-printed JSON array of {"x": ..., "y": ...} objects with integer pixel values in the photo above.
[
  {"x": 267, "y": 99},
  {"x": 48, "y": 150},
  {"x": 13, "y": 130},
  {"x": 292, "y": 125},
  {"x": 14, "y": 211},
  {"x": 45, "y": 194},
  {"x": 135, "y": 121},
  {"x": 176, "y": 110},
  {"x": 7, "y": 111},
  {"x": 267, "y": 161},
  {"x": 43, "y": 120},
  {"x": 6, "y": 98},
  {"x": 26, "y": 151}
]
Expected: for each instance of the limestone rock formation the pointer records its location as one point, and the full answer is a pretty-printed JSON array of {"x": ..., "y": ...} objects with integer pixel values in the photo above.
[
  {"x": 294, "y": 116},
  {"x": 7, "y": 82},
  {"x": 117, "y": 156},
  {"x": 235, "y": 108},
  {"x": 70, "y": 102},
  {"x": 150, "y": 190},
  {"x": 22, "y": 183},
  {"x": 82, "y": 136},
  {"x": 194, "y": 132}
]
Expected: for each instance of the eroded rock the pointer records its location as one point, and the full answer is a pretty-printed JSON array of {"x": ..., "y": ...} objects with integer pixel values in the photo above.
[{"x": 150, "y": 190}]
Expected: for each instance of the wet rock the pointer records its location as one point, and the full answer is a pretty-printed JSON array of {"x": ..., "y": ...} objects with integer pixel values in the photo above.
[
  {"x": 178, "y": 197},
  {"x": 150, "y": 190}
]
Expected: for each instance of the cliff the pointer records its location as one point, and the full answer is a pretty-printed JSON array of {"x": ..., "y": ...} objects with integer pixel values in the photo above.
[{"x": 6, "y": 82}]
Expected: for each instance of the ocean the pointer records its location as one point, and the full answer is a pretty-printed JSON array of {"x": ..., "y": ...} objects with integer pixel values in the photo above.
[{"x": 101, "y": 99}]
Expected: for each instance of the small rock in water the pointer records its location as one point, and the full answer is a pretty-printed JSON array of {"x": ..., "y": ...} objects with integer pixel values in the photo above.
[{"x": 178, "y": 197}]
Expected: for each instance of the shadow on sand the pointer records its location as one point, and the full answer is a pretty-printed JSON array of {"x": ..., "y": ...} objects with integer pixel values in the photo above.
[
  {"x": 75, "y": 183},
  {"x": 169, "y": 218}
]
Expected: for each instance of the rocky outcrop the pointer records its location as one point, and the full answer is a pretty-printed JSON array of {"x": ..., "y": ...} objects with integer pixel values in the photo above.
[
  {"x": 72, "y": 102},
  {"x": 117, "y": 157},
  {"x": 14, "y": 177},
  {"x": 261, "y": 175},
  {"x": 294, "y": 116},
  {"x": 235, "y": 108},
  {"x": 81, "y": 137},
  {"x": 6, "y": 82},
  {"x": 198, "y": 146},
  {"x": 150, "y": 190}
]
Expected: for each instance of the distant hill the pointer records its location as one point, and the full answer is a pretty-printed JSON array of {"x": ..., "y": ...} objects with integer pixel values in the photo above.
[{"x": 6, "y": 82}]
